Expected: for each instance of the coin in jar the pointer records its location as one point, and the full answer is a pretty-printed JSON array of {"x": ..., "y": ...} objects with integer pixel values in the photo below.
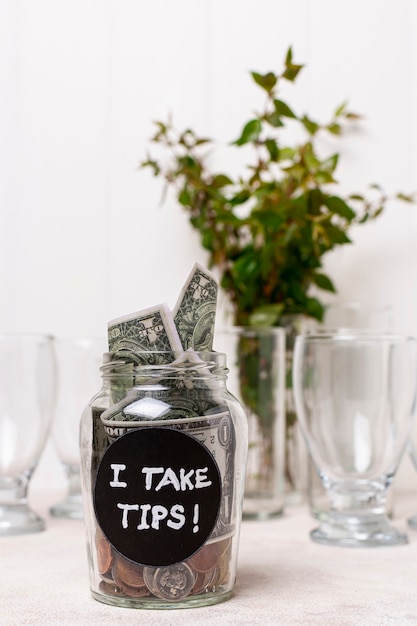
[
  {"x": 149, "y": 577},
  {"x": 135, "y": 592},
  {"x": 203, "y": 581},
  {"x": 224, "y": 569},
  {"x": 109, "y": 588},
  {"x": 127, "y": 573},
  {"x": 221, "y": 573},
  {"x": 208, "y": 556},
  {"x": 173, "y": 582},
  {"x": 104, "y": 554}
]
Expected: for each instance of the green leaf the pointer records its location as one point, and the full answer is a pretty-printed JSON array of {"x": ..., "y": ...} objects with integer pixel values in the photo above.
[
  {"x": 240, "y": 198},
  {"x": 207, "y": 238},
  {"x": 288, "y": 57},
  {"x": 334, "y": 128},
  {"x": 273, "y": 150},
  {"x": 353, "y": 116},
  {"x": 291, "y": 72},
  {"x": 202, "y": 140},
  {"x": 221, "y": 180},
  {"x": 266, "y": 81},
  {"x": 376, "y": 186},
  {"x": 341, "y": 109},
  {"x": 266, "y": 315},
  {"x": 314, "y": 308},
  {"x": 250, "y": 132},
  {"x": 287, "y": 153},
  {"x": 323, "y": 282},
  {"x": 184, "y": 197},
  {"x": 323, "y": 178},
  {"x": 315, "y": 201},
  {"x": 283, "y": 109},
  {"x": 330, "y": 163},
  {"x": 338, "y": 205},
  {"x": 311, "y": 126},
  {"x": 269, "y": 218},
  {"x": 335, "y": 235},
  {"x": 309, "y": 157},
  {"x": 274, "y": 119},
  {"x": 406, "y": 197},
  {"x": 291, "y": 69},
  {"x": 152, "y": 164}
]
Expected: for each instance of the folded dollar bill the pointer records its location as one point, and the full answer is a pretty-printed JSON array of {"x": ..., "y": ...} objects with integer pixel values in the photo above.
[
  {"x": 148, "y": 336},
  {"x": 195, "y": 311}
]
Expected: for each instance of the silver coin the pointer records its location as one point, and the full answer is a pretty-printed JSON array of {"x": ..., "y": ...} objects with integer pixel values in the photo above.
[
  {"x": 173, "y": 582},
  {"x": 149, "y": 577}
]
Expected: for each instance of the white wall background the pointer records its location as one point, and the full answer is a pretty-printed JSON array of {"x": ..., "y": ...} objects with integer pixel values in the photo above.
[{"x": 83, "y": 237}]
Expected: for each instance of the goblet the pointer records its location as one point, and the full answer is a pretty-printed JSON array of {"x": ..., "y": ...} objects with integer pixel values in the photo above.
[
  {"x": 361, "y": 317},
  {"x": 79, "y": 360},
  {"x": 412, "y": 450},
  {"x": 27, "y": 395},
  {"x": 355, "y": 397}
]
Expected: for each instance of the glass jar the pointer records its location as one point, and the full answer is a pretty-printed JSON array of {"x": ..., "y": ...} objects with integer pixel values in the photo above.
[{"x": 163, "y": 454}]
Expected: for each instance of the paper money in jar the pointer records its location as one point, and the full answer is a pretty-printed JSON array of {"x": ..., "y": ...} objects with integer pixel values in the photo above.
[{"x": 163, "y": 449}]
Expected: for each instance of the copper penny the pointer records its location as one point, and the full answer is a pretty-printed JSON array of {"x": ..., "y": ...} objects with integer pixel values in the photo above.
[
  {"x": 104, "y": 555},
  {"x": 127, "y": 573},
  {"x": 224, "y": 569},
  {"x": 109, "y": 589},
  {"x": 135, "y": 592},
  {"x": 221, "y": 573},
  {"x": 208, "y": 556}
]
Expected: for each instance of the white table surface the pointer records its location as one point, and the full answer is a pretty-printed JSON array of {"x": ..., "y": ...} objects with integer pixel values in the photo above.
[{"x": 283, "y": 578}]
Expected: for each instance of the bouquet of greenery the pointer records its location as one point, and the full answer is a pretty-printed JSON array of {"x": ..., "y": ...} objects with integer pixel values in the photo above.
[{"x": 268, "y": 230}]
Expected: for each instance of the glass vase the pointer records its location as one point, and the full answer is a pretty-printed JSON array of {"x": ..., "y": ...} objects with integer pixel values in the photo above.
[
  {"x": 257, "y": 377},
  {"x": 296, "y": 455}
]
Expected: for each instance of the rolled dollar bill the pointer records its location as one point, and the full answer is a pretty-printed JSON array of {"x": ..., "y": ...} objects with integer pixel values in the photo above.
[
  {"x": 145, "y": 336},
  {"x": 195, "y": 311}
]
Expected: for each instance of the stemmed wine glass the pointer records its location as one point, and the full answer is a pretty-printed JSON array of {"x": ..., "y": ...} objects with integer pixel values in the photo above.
[
  {"x": 79, "y": 360},
  {"x": 27, "y": 396},
  {"x": 355, "y": 396}
]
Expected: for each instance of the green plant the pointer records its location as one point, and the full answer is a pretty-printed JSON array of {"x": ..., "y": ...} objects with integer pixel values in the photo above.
[{"x": 268, "y": 230}]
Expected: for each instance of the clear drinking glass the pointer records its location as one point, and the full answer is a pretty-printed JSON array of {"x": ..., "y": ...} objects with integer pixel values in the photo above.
[
  {"x": 27, "y": 396},
  {"x": 355, "y": 396},
  {"x": 79, "y": 360},
  {"x": 361, "y": 317}
]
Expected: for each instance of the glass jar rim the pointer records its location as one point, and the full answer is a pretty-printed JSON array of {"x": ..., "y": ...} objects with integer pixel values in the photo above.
[{"x": 213, "y": 363}]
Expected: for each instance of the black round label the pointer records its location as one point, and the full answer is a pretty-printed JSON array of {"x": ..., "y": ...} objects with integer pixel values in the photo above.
[{"x": 157, "y": 495}]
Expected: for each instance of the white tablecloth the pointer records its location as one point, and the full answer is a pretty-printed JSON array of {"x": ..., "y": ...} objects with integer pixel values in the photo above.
[{"x": 283, "y": 578}]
